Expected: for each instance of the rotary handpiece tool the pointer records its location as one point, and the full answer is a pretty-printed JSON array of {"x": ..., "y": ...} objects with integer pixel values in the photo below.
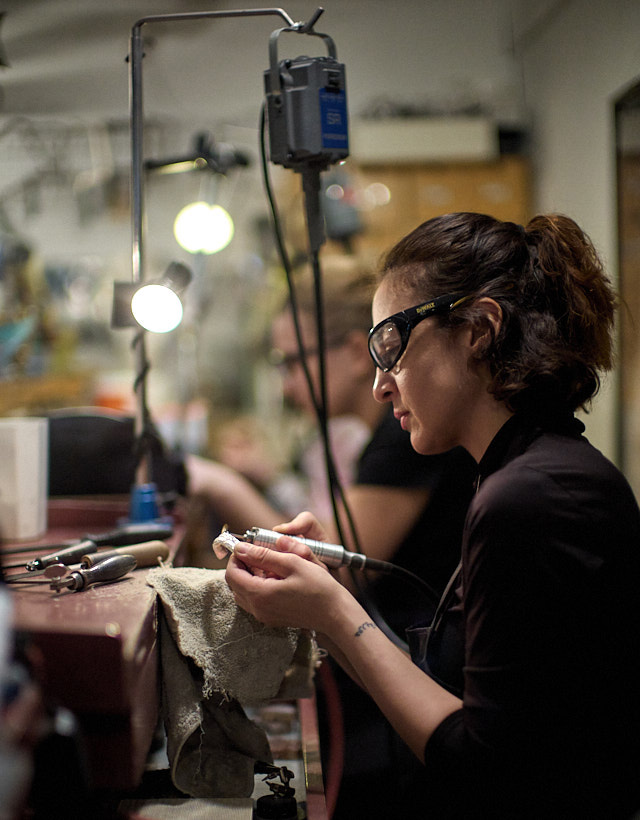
[{"x": 333, "y": 555}]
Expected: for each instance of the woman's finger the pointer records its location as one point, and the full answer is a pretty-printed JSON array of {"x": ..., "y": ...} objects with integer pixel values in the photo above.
[
  {"x": 279, "y": 588},
  {"x": 266, "y": 560},
  {"x": 287, "y": 543},
  {"x": 305, "y": 524}
]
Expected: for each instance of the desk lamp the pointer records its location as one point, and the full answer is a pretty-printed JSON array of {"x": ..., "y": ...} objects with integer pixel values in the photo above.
[
  {"x": 143, "y": 503},
  {"x": 307, "y": 123}
]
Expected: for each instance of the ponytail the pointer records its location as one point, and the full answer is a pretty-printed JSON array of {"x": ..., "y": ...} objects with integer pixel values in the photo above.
[{"x": 580, "y": 294}]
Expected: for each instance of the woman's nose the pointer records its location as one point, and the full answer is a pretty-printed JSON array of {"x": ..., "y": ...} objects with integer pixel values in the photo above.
[{"x": 383, "y": 386}]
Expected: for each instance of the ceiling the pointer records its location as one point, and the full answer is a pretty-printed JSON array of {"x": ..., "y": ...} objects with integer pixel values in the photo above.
[
  {"x": 64, "y": 76},
  {"x": 69, "y": 57},
  {"x": 64, "y": 85}
]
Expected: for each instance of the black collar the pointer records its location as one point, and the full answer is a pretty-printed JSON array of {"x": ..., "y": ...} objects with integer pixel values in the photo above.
[{"x": 518, "y": 432}]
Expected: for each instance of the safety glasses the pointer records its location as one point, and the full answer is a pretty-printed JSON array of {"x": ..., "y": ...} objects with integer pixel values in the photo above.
[{"x": 389, "y": 338}]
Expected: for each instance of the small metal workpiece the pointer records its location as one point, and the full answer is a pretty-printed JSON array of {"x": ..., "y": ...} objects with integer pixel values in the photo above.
[{"x": 225, "y": 544}]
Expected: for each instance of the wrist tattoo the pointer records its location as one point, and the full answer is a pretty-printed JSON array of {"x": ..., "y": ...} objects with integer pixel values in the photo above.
[{"x": 362, "y": 627}]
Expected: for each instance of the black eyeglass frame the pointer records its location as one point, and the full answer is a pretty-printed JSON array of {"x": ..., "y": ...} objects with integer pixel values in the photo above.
[{"x": 406, "y": 320}]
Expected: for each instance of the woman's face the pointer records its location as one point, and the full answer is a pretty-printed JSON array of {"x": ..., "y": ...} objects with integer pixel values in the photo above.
[
  {"x": 433, "y": 387},
  {"x": 339, "y": 366}
]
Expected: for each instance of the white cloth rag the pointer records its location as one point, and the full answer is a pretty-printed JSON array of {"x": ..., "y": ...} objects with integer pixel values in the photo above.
[{"x": 215, "y": 659}]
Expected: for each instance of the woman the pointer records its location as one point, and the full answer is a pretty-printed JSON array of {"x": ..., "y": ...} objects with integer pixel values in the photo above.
[
  {"x": 490, "y": 336},
  {"x": 396, "y": 497},
  {"x": 407, "y": 508}
]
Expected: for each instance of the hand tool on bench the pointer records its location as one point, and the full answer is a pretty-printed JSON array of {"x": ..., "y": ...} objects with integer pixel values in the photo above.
[
  {"x": 122, "y": 536},
  {"x": 149, "y": 554},
  {"x": 59, "y": 577}
]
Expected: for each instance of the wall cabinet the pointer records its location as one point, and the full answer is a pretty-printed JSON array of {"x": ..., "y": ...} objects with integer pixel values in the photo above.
[{"x": 416, "y": 193}]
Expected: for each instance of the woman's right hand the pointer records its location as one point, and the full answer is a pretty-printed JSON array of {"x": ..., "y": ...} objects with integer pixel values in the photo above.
[{"x": 285, "y": 586}]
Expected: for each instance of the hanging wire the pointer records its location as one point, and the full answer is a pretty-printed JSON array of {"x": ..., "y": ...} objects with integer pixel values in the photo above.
[{"x": 336, "y": 490}]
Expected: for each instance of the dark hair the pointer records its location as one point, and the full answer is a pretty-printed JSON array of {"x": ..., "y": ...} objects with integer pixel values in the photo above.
[{"x": 557, "y": 303}]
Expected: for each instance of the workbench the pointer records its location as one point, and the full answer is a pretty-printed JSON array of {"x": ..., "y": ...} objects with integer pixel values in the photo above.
[
  {"x": 98, "y": 656},
  {"x": 96, "y": 649}
]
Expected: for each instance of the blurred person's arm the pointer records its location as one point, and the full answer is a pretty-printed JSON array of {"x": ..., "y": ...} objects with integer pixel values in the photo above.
[
  {"x": 235, "y": 500},
  {"x": 382, "y": 516}
]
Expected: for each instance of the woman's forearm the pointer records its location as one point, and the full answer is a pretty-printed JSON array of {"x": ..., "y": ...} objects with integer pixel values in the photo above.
[
  {"x": 286, "y": 589},
  {"x": 411, "y": 701},
  {"x": 331, "y": 648}
]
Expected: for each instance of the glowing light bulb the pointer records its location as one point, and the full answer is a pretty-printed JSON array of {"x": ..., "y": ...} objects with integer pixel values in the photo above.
[
  {"x": 203, "y": 228},
  {"x": 157, "y": 308}
]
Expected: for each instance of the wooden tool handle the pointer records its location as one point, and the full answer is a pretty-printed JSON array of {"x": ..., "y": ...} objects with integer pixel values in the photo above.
[{"x": 146, "y": 554}]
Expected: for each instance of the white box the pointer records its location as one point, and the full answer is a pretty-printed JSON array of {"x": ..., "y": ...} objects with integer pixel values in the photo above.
[
  {"x": 424, "y": 139},
  {"x": 24, "y": 477}
]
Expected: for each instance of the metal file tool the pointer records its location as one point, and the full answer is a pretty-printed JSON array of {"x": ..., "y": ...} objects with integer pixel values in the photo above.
[{"x": 59, "y": 576}]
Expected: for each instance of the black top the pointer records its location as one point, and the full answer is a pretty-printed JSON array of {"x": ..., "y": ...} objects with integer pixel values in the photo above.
[
  {"x": 431, "y": 550},
  {"x": 550, "y": 618},
  {"x": 381, "y": 777}
]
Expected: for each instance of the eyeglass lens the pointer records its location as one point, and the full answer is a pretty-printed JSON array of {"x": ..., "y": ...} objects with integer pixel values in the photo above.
[{"x": 386, "y": 344}]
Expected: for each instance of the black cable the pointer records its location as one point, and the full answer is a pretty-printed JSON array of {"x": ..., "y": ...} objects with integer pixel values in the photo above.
[
  {"x": 319, "y": 403},
  {"x": 335, "y": 487},
  {"x": 336, "y": 490},
  {"x": 387, "y": 568}
]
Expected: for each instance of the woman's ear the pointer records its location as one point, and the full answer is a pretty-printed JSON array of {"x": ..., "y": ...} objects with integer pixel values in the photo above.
[{"x": 487, "y": 325}]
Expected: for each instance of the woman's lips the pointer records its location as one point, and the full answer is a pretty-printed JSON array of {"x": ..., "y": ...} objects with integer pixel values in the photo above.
[{"x": 403, "y": 418}]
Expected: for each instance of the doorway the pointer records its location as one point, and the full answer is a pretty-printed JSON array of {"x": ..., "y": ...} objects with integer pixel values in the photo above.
[{"x": 627, "y": 127}]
